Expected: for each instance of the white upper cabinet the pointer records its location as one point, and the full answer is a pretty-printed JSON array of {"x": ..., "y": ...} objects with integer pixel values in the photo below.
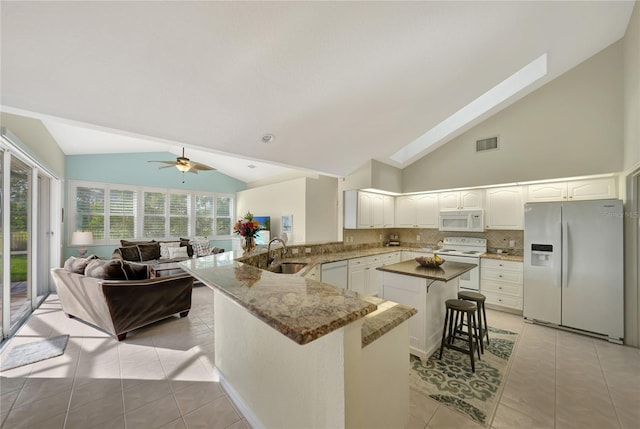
[
  {"x": 589, "y": 189},
  {"x": 504, "y": 208},
  {"x": 388, "y": 211},
  {"x": 593, "y": 189},
  {"x": 413, "y": 211},
  {"x": 363, "y": 210},
  {"x": 458, "y": 200}
]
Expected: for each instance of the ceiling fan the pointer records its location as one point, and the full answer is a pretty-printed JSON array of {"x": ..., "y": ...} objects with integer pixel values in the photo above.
[{"x": 185, "y": 164}]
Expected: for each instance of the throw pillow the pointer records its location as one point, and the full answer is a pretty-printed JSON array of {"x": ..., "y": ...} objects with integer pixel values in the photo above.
[
  {"x": 185, "y": 242},
  {"x": 178, "y": 252},
  {"x": 149, "y": 251},
  {"x": 136, "y": 271},
  {"x": 130, "y": 253},
  {"x": 125, "y": 243},
  {"x": 112, "y": 269},
  {"x": 164, "y": 248},
  {"x": 201, "y": 247},
  {"x": 78, "y": 265}
]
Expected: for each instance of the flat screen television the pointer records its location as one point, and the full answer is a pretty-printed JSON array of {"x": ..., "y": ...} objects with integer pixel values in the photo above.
[{"x": 265, "y": 222}]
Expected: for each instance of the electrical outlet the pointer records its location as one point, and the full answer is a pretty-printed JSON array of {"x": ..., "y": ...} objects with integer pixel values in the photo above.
[
  {"x": 380, "y": 237},
  {"x": 294, "y": 251},
  {"x": 307, "y": 250},
  {"x": 417, "y": 238}
]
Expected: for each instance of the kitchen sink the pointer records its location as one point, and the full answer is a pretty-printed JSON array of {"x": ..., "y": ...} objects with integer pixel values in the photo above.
[{"x": 288, "y": 267}]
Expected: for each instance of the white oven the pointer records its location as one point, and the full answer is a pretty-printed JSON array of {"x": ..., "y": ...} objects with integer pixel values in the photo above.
[
  {"x": 461, "y": 220},
  {"x": 466, "y": 250}
]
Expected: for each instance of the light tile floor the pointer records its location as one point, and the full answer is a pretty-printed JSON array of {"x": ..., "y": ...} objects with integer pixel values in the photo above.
[{"x": 162, "y": 377}]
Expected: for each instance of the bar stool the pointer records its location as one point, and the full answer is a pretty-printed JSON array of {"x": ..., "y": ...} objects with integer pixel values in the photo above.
[
  {"x": 456, "y": 308},
  {"x": 479, "y": 300}
]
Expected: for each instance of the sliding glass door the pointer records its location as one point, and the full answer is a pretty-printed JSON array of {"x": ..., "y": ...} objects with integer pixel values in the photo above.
[
  {"x": 30, "y": 199},
  {"x": 19, "y": 233}
]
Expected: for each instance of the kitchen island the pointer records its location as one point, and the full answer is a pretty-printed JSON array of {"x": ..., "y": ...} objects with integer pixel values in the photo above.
[
  {"x": 294, "y": 352},
  {"x": 425, "y": 289}
]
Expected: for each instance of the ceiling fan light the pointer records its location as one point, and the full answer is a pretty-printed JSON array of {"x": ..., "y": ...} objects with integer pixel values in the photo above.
[{"x": 183, "y": 167}]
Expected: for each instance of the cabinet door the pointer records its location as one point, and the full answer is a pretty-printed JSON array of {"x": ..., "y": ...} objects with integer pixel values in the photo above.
[
  {"x": 556, "y": 191},
  {"x": 471, "y": 199},
  {"x": 449, "y": 200},
  {"x": 389, "y": 211},
  {"x": 365, "y": 204},
  {"x": 592, "y": 189},
  {"x": 358, "y": 278},
  {"x": 427, "y": 210},
  {"x": 504, "y": 208},
  {"x": 374, "y": 277},
  {"x": 406, "y": 211},
  {"x": 377, "y": 210}
]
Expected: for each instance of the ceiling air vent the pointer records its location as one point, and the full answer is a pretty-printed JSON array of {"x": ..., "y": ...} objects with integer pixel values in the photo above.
[{"x": 487, "y": 144}]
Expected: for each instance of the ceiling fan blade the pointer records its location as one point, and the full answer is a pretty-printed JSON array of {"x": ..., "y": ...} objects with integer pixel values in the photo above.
[
  {"x": 198, "y": 166},
  {"x": 165, "y": 162},
  {"x": 166, "y": 166},
  {"x": 192, "y": 170}
]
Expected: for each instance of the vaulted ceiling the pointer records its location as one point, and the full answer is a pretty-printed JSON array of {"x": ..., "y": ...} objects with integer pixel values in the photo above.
[{"x": 336, "y": 83}]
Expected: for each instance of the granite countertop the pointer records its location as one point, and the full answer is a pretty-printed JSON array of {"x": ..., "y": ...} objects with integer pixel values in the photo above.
[
  {"x": 388, "y": 315},
  {"x": 301, "y": 309},
  {"x": 503, "y": 256},
  {"x": 445, "y": 272}
]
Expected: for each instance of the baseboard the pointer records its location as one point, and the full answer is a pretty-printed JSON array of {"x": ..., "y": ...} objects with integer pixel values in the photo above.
[{"x": 238, "y": 401}]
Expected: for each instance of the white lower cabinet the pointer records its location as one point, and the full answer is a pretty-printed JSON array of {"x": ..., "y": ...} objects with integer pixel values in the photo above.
[
  {"x": 363, "y": 276},
  {"x": 358, "y": 274},
  {"x": 425, "y": 327},
  {"x": 501, "y": 282}
]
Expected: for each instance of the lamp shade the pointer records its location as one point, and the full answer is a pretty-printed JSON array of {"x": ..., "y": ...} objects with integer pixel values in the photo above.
[{"x": 82, "y": 238}]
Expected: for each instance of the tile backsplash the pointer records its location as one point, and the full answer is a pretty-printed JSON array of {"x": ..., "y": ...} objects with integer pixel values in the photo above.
[{"x": 418, "y": 237}]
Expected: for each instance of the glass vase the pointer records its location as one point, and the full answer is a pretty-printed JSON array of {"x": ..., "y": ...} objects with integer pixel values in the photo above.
[{"x": 249, "y": 244}]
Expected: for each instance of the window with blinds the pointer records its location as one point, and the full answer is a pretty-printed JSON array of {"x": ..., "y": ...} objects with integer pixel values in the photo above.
[
  {"x": 179, "y": 215},
  {"x": 154, "y": 219},
  {"x": 113, "y": 212},
  {"x": 224, "y": 207},
  {"x": 122, "y": 214},
  {"x": 89, "y": 207},
  {"x": 204, "y": 216}
]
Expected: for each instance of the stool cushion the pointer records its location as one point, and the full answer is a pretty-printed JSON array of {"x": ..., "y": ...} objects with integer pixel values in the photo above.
[
  {"x": 460, "y": 305},
  {"x": 471, "y": 296}
]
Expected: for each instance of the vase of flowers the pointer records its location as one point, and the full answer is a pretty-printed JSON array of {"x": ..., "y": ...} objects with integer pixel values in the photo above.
[{"x": 247, "y": 228}]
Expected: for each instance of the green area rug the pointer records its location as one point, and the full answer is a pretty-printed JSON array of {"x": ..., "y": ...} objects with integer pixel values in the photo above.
[
  {"x": 26, "y": 354},
  {"x": 451, "y": 382}
]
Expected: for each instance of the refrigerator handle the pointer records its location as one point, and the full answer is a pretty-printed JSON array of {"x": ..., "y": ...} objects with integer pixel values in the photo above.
[{"x": 565, "y": 254}]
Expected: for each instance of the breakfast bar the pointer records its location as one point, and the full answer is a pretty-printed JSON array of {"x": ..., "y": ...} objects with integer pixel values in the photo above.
[
  {"x": 426, "y": 289},
  {"x": 294, "y": 352}
]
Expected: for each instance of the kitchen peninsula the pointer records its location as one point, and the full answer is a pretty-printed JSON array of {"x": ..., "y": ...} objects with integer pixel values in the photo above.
[
  {"x": 426, "y": 289},
  {"x": 294, "y": 352}
]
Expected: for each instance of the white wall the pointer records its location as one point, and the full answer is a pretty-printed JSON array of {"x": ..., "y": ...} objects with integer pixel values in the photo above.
[
  {"x": 277, "y": 200},
  {"x": 321, "y": 209},
  {"x": 572, "y": 126},
  {"x": 311, "y": 201},
  {"x": 35, "y": 135},
  {"x": 631, "y": 44}
]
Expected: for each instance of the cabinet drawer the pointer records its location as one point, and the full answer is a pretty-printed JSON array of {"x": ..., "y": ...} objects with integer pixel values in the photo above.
[
  {"x": 503, "y": 300},
  {"x": 374, "y": 260},
  {"x": 501, "y": 275},
  {"x": 502, "y": 264},
  {"x": 491, "y": 286},
  {"x": 357, "y": 262}
]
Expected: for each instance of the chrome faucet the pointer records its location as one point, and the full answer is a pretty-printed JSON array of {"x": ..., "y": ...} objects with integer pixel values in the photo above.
[{"x": 273, "y": 261}]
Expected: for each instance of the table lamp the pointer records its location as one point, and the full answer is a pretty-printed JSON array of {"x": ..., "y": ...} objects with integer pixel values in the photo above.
[{"x": 82, "y": 239}]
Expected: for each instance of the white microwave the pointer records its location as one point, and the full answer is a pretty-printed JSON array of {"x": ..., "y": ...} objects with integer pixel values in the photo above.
[{"x": 461, "y": 220}]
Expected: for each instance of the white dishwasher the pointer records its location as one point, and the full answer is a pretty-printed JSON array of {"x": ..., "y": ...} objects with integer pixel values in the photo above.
[{"x": 335, "y": 273}]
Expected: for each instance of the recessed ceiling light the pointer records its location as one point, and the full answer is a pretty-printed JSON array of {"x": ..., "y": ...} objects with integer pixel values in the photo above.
[
  {"x": 251, "y": 166},
  {"x": 268, "y": 138}
]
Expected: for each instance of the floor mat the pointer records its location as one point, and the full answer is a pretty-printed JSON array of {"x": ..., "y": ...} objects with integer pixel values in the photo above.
[
  {"x": 26, "y": 354},
  {"x": 451, "y": 382}
]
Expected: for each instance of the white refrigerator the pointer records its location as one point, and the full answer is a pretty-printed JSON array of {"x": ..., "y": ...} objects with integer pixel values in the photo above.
[{"x": 573, "y": 266}]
